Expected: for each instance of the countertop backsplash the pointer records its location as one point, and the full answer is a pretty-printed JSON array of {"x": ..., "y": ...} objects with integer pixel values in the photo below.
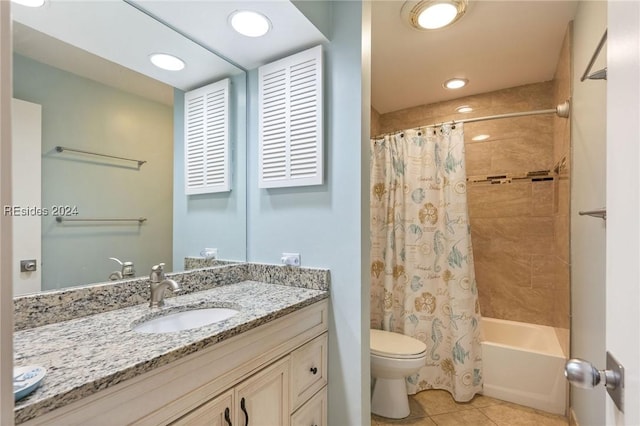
[{"x": 50, "y": 307}]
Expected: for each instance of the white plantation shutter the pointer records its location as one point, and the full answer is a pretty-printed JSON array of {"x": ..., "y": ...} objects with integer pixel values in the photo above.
[
  {"x": 290, "y": 120},
  {"x": 206, "y": 137}
]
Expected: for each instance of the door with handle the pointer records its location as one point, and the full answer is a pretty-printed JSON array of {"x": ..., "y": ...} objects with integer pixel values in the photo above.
[
  {"x": 623, "y": 223},
  {"x": 623, "y": 205},
  {"x": 263, "y": 399}
]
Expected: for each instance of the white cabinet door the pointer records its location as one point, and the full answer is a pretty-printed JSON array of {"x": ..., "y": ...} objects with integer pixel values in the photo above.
[{"x": 263, "y": 399}]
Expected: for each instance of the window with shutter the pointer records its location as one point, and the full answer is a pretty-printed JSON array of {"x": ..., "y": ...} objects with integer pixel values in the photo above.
[
  {"x": 290, "y": 120},
  {"x": 206, "y": 127}
]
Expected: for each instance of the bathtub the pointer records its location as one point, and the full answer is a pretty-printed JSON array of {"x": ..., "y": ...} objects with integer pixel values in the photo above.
[{"x": 524, "y": 364}]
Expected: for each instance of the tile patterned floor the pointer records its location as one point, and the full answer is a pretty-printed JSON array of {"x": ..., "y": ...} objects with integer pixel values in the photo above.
[{"x": 437, "y": 408}]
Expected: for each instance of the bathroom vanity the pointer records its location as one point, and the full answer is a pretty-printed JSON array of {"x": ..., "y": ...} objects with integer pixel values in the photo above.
[{"x": 267, "y": 365}]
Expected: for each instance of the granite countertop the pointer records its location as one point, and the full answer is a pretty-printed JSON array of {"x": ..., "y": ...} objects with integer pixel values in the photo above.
[{"x": 85, "y": 355}]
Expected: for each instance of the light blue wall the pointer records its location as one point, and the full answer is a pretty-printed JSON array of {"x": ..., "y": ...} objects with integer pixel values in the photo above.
[
  {"x": 80, "y": 113},
  {"x": 212, "y": 220},
  {"x": 318, "y": 12},
  {"x": 323, "y": 223}
]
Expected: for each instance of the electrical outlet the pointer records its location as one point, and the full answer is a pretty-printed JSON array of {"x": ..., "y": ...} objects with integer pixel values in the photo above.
[
  {"x": 209, "y": 253},
  {"x": 290, "y": 259}
]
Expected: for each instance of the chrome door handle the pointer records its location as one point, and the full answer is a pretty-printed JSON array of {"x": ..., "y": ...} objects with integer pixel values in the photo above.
[{"x": 583, "y": 374}]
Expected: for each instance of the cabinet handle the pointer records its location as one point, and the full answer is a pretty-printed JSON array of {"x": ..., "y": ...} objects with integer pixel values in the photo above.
[
  {"x": 314, "y": 370},
  {"x": 226, "y": 416},
  {"x": 244, "y": 410}
]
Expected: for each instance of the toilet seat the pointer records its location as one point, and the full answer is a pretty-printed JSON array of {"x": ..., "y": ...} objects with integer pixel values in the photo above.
[{"x": 396, "y": 346}]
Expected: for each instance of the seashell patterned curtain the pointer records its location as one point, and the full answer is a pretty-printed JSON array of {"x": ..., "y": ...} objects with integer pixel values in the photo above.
[{"x": 422, "y": 276}]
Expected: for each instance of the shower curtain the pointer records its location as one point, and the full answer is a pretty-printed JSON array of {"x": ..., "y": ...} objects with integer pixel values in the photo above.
[{"x": 422, "y": 275}]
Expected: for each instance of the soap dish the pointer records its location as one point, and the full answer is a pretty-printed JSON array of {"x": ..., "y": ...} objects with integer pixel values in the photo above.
[{"x": 26, "y": 380}]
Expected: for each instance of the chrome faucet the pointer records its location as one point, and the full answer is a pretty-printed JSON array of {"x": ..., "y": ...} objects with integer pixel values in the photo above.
[{"x": 158, "y": 285}]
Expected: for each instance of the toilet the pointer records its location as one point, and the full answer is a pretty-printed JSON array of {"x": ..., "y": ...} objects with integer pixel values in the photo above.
[{"x": 394, "y": 357}]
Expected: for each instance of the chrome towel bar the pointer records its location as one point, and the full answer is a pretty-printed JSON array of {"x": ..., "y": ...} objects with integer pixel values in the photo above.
[
  {"x": 63, "y": 148},
  {"x": 61, "y": 219}
]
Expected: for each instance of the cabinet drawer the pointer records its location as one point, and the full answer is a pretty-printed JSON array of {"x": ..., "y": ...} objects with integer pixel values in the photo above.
[
  {"x": 312, "y": 413},
  {"x": 308, "y": 370}
]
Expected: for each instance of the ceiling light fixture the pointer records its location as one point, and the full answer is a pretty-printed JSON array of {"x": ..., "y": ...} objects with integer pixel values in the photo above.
[
  {"x": 167, "y": 62},
  {"x": 249, "y": 23},
  {"x": 464, "y": 109},
  {"x": 433, "y": 14},
  {"x": 455, "y": 83},
  {"x": 480, "y": 138},
  {"x": 30, "y": 3}
]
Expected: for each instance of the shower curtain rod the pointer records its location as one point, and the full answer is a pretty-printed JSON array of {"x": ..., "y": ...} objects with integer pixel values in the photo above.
[{"x": 562, "y": 110}]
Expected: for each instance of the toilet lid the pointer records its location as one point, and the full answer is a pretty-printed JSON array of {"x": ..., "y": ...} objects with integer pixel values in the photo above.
[{"x": 386, "y": 343}]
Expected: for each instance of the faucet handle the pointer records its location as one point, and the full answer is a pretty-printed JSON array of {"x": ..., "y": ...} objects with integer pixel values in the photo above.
[
  {"x": 128, "y": 269},
  {"x": 157, "y": 273}
]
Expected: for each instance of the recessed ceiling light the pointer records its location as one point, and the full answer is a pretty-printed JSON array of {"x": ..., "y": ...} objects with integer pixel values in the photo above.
[
  {"x": 167, "y": 62},
  {"x": 249, "y": 23},
  {"x": 455, "y": 83},
  {"x": 433, "y": 14},
  {"x": 480, "y": 137},
  {"x": 464, "y": 109},
  {"x": 30, "y": 3}
]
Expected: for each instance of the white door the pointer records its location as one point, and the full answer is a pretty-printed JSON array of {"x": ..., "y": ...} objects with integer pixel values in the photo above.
[
  {"x": 26, "y": 157},
  {"x": 623, "y": 204}
]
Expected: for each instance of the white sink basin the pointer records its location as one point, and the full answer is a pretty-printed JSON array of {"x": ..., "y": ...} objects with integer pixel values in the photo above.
[{"x": 185, "y": 320}]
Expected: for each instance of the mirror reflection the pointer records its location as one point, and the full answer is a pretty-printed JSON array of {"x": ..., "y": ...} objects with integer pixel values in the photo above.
[{"x": 124, "y": 210}]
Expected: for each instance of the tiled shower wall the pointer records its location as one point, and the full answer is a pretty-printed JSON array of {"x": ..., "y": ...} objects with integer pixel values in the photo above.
[{"x": 519, "y": 229}]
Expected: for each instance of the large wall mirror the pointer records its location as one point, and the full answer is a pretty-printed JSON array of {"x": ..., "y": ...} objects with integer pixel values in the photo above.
[{"x": 83, "y": 81}]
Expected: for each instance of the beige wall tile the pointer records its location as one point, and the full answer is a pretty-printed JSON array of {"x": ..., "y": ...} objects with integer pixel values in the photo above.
[
  {"x": 487, "y": 200},
  {"x": 564, "y": 197},
  {"x": 535, "y": 96},
  {"x": 523, "y": 304},
  {"x": 498, "y": 270},
  {"x": 562, "y": 241},
  {"x": 522, "y": 98},
  {"x": 563, "y": 274},
  {"x": 523, "y": 235},
  {"x": 521, "y": 155},
  {"x": 478, "y": 159},
  {"x": 544, "y": 270},
  {"x": 562, "y": 92},
  {"x": 375, "y": 122},
  {"x": 561, "y": 308},
  {"x": 542, "y": 198},
  {"x": 486, "y": 303}
]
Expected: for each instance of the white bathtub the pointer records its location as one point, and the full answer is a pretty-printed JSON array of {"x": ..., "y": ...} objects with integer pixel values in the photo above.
[{"x": 524, "y": 363}]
